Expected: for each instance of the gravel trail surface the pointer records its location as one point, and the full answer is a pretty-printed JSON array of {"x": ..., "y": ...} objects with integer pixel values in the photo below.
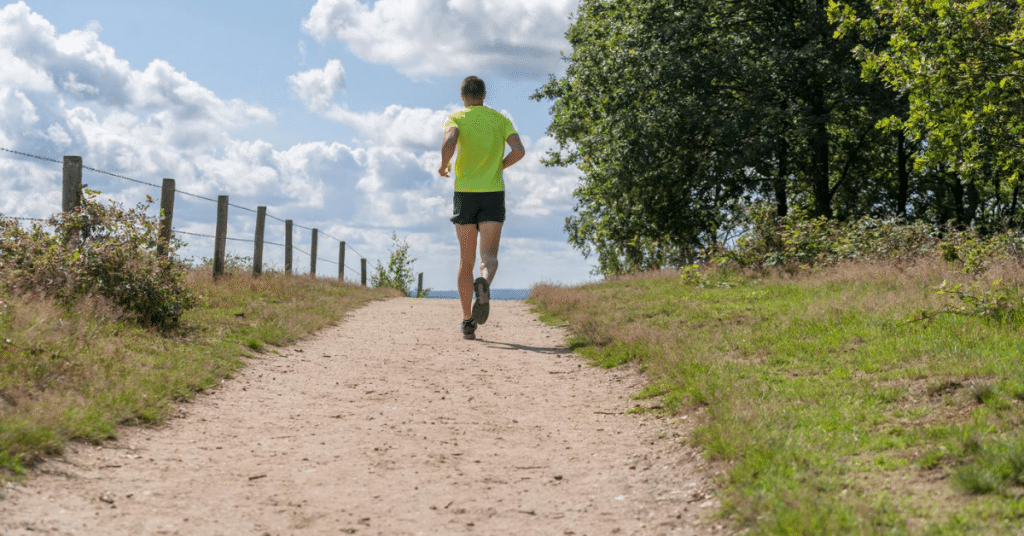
[{"x": 390, "y": 423}]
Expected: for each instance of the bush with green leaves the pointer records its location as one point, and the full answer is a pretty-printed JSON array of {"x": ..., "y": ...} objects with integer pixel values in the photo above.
[
  {"x": 976, "y": 253},
  {"x": 399, "y": 272},
  {"x": 106, "y": 251},
  {"x": 796, "y": 242}
]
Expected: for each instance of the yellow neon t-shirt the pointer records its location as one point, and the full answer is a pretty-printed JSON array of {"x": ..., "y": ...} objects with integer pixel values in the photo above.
[{"x": 481, "y": 148}]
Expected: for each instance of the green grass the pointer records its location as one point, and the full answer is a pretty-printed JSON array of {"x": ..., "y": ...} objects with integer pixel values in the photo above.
[
  {"x": 82, "y": 373},
  {"x": 842, "y": 402}
]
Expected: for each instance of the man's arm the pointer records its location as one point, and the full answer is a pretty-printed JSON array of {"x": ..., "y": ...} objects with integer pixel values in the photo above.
[
  {"x": 516, "y": 154},
  {"x": 451, "y": 141}
]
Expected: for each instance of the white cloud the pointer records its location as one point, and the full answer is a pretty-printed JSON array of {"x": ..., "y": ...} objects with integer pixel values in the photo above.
[
  {"x": 446, "y": 37},
  {"x": 19, "y": 112},
  {"x": 316, "y": 87},
  {"x": 17, "y": 71},
  {"x": 396, "y": 126},
  {"x": 58, "y": 135},
  {"x": 36, "y": 189},
  {"x": 537, "y": 190},
  {"x": 161, "y": 87}
]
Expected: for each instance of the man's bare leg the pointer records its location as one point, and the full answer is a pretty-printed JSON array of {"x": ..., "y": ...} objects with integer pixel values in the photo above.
[
  {"x": 467, "y": 259},
  {"x": 490, "y": 239},
  {"x": 490, "y": 236}
]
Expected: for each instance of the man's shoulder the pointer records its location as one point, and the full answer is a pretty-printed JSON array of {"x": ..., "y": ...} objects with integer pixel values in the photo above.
[
  {"x": 458, "y": 114},
  {"x": 495, "y": 115}
]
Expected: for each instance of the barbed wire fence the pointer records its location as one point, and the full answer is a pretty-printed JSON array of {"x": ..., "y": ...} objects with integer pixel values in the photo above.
[{"x": 72, "y": 192}]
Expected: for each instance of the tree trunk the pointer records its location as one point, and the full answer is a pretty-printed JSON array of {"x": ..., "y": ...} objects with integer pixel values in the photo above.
[
  {"x": 819, "y": 150},
  {"x": 973, "y": 202},
  {"x": 1013, "y": 205},
  {"x": 902, "y": 174},
  {"x": 957, "y": 189},
  {"x": 781, "y": 204}
]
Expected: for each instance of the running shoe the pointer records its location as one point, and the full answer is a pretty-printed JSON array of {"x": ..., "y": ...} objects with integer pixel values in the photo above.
[
  {"x": 469, "y": 329},
  {"x": 482, "y": 307}
]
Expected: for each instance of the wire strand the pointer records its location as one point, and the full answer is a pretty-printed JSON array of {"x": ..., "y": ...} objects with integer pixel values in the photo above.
[
  {"x": 30, "y": 155},
  {"x": 184, "y": 193},
  {"x": 120, "y": 176},
  {"x": 23, "y": 218}
]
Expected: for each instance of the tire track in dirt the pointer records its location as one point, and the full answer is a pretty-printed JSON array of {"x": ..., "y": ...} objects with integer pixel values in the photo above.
[{"x": 389, "y": 423}]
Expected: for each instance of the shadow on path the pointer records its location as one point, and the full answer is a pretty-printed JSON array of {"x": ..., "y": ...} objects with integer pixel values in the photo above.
[{"x": 555, "y": 350}]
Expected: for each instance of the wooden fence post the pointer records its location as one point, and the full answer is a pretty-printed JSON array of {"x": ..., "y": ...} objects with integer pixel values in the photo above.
[
  {"x": 166, "y": 215},
  {"x": 72, "y": 197},
  {"x": 419, "y": 287},
  {"x": 363, "y": 278},
  {"x": 312, "y": 253},
  {"x": 341, "y": 261},
  {"x": 288, "y": 247},
  {"x": 257, "y": 252},
  {"x": 220, "y": 243}
]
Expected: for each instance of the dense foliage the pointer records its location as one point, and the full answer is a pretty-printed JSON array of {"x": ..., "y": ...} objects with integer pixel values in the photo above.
[
  {"x": 796, "y": 242},
  {"x": 105, "y": 251},
  {"x": 682, "y": 115},
  {"x": 960, "y": 64}
]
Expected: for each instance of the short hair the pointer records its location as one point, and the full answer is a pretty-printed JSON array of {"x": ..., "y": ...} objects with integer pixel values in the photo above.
[{"x": 474, "y": 87}]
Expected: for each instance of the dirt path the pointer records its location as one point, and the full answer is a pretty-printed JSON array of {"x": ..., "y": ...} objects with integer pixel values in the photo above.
[{"x": 389, "y": 423}]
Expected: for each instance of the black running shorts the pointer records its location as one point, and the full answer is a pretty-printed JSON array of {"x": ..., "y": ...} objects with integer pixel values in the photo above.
[{"x": 475, "y": 207}]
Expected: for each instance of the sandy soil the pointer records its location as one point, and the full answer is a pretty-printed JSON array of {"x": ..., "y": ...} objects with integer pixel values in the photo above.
[{"x": 390, "y": 423}]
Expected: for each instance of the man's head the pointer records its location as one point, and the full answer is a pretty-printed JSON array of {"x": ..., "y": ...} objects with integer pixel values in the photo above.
[{"x": 473, "y": 90}]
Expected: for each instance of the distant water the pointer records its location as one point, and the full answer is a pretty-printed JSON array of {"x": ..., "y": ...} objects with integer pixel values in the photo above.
[{"x": 502, "y": 294}]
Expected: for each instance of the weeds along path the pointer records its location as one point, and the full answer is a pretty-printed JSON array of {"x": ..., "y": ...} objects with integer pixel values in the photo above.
[{"x": 389, "y": 423}]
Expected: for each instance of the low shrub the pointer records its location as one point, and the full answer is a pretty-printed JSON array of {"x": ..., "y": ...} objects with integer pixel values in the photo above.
[
  {"x": 100, "y": 250},
  {"x": 795, "y": 242}
]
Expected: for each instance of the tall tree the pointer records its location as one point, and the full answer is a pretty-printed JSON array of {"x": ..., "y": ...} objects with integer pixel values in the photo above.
[
  {"x": 960, "y": 66},
  {"x": 640, "y": 113},
  {"x": 679, "y": 112}
]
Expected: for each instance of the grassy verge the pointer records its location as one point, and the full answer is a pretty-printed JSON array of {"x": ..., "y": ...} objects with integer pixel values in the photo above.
[
  {"x": 855, "y": 400},
  {"x": 79, "y": 374}
]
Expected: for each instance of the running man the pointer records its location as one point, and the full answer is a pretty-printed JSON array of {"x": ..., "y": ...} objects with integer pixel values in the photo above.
[{"x": 480, "y": 134}]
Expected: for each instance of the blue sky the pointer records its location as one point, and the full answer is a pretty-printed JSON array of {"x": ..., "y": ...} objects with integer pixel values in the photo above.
[{"x": 328, "y": 112}]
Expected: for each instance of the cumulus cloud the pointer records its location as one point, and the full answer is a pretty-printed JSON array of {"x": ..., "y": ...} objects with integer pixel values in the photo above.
[
  {"x": 316, "y": 87},
  {"x": 444, "y": 37},
  {"x": 71, "y": 92},
  {"x": 396, "y": 126}
]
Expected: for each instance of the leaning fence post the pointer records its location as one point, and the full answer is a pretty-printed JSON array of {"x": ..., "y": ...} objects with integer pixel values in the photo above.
[
  {"x": 288, "y": 246},
  {"x": 166, "y": 215},
  {"x": 312, "y": 253},
  {"x": 220, "y": 242},
  {"x": 72, "y": 183},
  {"x": 257, "y": 252},
  {"x": 341, "y": 261},
  {"x": 363, "y": 278}
]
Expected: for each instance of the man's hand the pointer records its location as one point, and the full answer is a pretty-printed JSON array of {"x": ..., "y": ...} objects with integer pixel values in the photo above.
[
  {"x": 516, "y": 153},
  {"x": 451, "y": 141}
]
